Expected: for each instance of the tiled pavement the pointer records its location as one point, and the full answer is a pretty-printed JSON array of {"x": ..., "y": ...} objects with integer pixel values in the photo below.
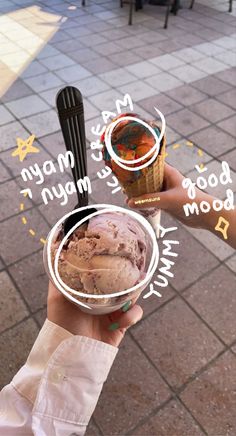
[{"x": 176, "y": 370}]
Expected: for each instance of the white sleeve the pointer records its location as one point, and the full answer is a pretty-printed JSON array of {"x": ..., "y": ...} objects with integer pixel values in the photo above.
[{"x": 56, "y": 391}]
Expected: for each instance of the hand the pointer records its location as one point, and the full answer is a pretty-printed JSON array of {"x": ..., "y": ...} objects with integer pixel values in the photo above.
[
  {"x": 172, "y": 198},
  {"x": 67, "y": 315}
]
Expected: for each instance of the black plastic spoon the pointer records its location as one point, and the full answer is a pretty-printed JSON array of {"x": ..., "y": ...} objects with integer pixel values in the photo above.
[{"x": 70, "y": 109}]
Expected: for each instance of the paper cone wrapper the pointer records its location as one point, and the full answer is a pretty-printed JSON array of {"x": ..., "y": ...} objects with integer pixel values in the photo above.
[{"x": 149, "y": 183}]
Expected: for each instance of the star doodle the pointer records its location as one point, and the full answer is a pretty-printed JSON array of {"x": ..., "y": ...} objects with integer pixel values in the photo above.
[
  {"x": 222, "y": 226},
  {"x": 25, "y": 147}
]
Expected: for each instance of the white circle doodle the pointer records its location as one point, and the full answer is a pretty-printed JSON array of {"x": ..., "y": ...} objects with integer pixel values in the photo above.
[
  {"x": 105, "y": 208},
  {"x": 155, "y": 148}
]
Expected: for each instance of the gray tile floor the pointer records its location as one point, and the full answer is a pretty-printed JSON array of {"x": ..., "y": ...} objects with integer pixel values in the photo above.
[{"x": 176, "y": 371}]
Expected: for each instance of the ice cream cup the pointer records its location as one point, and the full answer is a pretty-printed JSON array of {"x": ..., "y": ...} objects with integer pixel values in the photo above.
[{"x": 104, "y": 303}]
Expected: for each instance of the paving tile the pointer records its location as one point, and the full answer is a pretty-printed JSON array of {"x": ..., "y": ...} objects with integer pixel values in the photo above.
[
  {"x": 228, "y": 98},
  {"x": 228, "y": 76},
  {"x": 163, "y": 82},
  {"x": 185, "y": 122},
  {"x": 41, "y": 316},
  {"x": 226, "y": 42},
  {"x": 212, "y": 242},
  {"x": 209, "y": 295},
  {"x": 56, "y": 62},
  {"x": 116, "y": 33},
  {"x": 126, "y": 381},
  {"x": 173, "y": 419},
  {"x": 165, "y": 104},
  {"x": 47, "y": 52},
  {"x": 125, "y": 58},
  {"x": 227, "y": 57},
  {"x": 92, "y": 429},
  {"x": 69, "y": 45},
  {"x": 9, "y": 133},
  {"x": 100, "y": 65},
  {"x": 186, "y": 95},
  {"x": 92, "y": 40},
  {"x": 42, "y": 124},
  {"x": 143, "y": 69},
  {"x": 148, "y": 51},
  {"x": 20, "y": 340},
  {"x": 101, "y": 191},
  {"x": 185, "y": 157},
  {"x": 211, "y": 85},
  {"x": 50, "y": 95},
  {"x": 90, "y": 111},
  {"x": 83, "y": 55},
  {"x": 12, "y": 307},
  {"x": 107, "y": 48},
  {"x": 211, "y": 396},
  {"x": 93, "y": 123},
  {"x": 4, "y": 174},
  {"x": 34, "y": 69},
  {"x": 171, "y": 135},
  {"x": 212, "y": 110},
  {"x": 106, "y": 100},
  {"x": 208, "y": 48},
  {"x": 198, "y": 263},
  {"x": 50, "y": 180},
  {"x": 191, "y": 40},
  {"x": 73, "y": 73},
  {"x": 54, "y": 143},
  {"x": 231, "y": 263},
  {"x": 11, "y": 199},
  {"x": 168, "y": 46},
  {"x": 138, "y": 90},
  {"x": 210, "y": 65},
  {"x": 5, "y": 116},
  {"x": 153, "y": 302},
  {"x": 55, "y": 211},
  {"x": 176, "y": 341},
  {"x": 117, "y": 77},
  {"x": 27, "y": 106},
  {"x": 167, "y": 62},
  {"x": 14, "y": 166},
  {"x": 59, "y": 36},
  {"x": 213, "y": 140},
  {"x": 93, "y": 166},
  {"x": 188, "y": 54},
  {"x": 188, "y": 73},
  {"x": 24, "y": 243},
  {"x": 230, "y": 158},
  {"x": 229, "y": 125},
  {"x": 91, "y": 85},
  {"x": 32, "y": 280},
  {"x": 43, "y": 82},
  {"x": 17, "y": 90}
]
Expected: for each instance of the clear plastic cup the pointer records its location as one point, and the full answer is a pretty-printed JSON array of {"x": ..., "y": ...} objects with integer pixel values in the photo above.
[{"x": 99, "y": 305}]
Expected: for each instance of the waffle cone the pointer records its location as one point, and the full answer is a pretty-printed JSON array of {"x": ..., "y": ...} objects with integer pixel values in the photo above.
[{"x": 152, "y": 181}]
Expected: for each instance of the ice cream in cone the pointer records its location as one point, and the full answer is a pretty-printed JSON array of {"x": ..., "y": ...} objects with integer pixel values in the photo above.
[{"x": 131, "y": 140}]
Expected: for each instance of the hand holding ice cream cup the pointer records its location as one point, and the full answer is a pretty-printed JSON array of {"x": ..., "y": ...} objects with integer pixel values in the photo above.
[
  {"x": 105, "y": 261},
  {"x": 135, "y": 151}
]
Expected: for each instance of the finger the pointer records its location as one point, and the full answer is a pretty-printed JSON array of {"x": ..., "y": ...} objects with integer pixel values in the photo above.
[
  {"x": 156, "y": 199},
  {"x": 129, "y": 318}
]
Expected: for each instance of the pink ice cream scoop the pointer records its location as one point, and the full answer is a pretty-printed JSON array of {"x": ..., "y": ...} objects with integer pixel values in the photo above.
[{"x": 106, "y": 255}]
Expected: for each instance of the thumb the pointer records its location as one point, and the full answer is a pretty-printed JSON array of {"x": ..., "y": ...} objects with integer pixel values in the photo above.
[{"x": 159, "y": 200}]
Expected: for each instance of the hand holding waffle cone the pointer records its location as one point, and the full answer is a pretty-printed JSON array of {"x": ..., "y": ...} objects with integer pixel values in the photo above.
[{"x": 131, "y": 140}]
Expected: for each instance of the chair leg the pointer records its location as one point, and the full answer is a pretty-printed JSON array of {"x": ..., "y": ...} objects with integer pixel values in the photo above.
[
  {"x": 121, "y": 3},
  {"x": 83, "y": 2},
  {"x": 130, "y": 11},
  {"x": 191, "y": 4},
  {"x": 167, "y": 14},
  {"x": 230, "y": 5}
]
